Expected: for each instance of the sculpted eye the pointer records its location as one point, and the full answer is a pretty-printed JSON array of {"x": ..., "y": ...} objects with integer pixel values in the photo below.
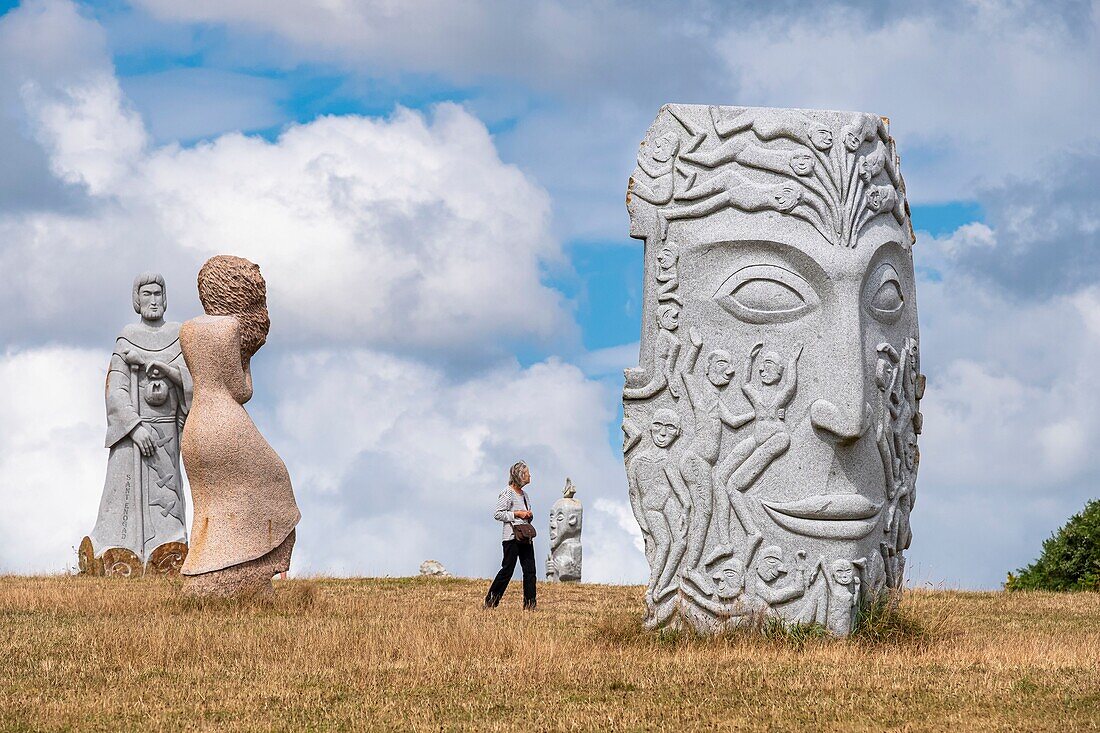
[
  {"x": 766, "y": 294},
  {"x": 884, "y": 297}
]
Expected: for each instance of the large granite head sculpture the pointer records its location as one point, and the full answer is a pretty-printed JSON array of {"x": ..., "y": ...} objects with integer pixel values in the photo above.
[
  {"x": 245, "y": 513},
  {"x": 566, "y": 517},
  {"x": 782, "y": 240}
]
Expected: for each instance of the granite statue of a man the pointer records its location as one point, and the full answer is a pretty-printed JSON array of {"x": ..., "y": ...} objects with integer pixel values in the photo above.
[
  {"x": 564, "y": 562},
  {"x": 141, "y": 526},
  {"x": 783, "y": 240}
]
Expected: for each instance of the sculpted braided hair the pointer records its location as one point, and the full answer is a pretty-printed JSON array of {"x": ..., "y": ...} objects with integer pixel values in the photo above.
[{"x": 233, "y": 286}]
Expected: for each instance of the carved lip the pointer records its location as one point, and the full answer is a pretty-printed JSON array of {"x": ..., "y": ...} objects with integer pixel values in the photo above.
[
  {"x": 828, "y": 516},
  {"x": 827, "y": 506}
]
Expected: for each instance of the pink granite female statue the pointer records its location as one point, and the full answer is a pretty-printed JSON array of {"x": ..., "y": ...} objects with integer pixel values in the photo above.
[{"x": 245, "y": 513}]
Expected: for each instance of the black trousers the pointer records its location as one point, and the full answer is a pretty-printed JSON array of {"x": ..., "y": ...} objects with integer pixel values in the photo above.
[{"x": 525, "y": 553}]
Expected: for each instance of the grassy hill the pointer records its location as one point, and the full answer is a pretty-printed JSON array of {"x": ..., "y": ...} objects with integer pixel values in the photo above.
[{"x": 105, "y": 654}]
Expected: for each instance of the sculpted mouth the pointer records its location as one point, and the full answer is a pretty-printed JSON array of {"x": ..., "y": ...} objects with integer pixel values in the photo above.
[{"x": 828, "y": 516}]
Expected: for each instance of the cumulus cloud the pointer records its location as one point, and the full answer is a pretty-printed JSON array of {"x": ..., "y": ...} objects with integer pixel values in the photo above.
[
  {"x": 52, "y": 459},
  {"x": 977, "y": 91},
  {"x": 1010, "y": 411},
  {"x": 407, "y": 232},
  {"x": 1047, "y": 225}
]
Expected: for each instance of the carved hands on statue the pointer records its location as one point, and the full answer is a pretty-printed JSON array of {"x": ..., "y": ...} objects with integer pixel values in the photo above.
[
  {"x": 157, "y": 368},
  {"x": 800, "y": 566},
  {"x": 696, "y": 337},
  {"x": 133, "y": 358},
  {"x": 756, "y": 349},
  {"x": 144, "y": 440}
]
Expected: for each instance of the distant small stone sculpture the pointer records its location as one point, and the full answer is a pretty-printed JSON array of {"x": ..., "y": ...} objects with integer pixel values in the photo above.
[
  {"x": 434, "y": 568},
  {"x": 245, "y": 513},
  {"x": 779, "y": 366},
  {"x": 141, "y": 527},
  {"x": 564, "y": 562}
]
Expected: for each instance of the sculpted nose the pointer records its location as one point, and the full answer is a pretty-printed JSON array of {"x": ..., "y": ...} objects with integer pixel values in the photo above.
[{"x": 840, "y": 425}]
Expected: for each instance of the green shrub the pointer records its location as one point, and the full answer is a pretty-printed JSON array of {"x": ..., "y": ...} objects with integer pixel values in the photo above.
[{"x": 1070, "y": 559}]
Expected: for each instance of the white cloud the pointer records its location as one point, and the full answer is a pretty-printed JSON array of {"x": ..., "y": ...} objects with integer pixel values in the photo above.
[
  {"x": 977, "y": 91},
  {"x": 52, "y": 459},
  {"x": 407, "y": 232},
  {"x": 1010, "y": 411}
]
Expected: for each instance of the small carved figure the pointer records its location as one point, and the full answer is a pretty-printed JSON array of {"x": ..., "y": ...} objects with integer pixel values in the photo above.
[
  {"x": 148, "y": 394},
  {"x": 668, "y": 352},
  {"x": 743, "y": 465},
  {"x": 245, "y": 513},
  {"x": 564, "y": 561},
  {"x": 658, "y": 163},
  {"x": 769, "y": 568},
  {"x": 666, "y": 277},
  {"x": 730, "y": 189},
  {"x": 698, "y": 461},
  {"x": 843, "y": 582},
  {"x": 728, "y": 601},
  {"x": 661, "y": 503}
]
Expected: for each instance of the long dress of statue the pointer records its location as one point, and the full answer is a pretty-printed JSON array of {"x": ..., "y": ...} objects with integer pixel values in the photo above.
[
  {"x": 140, "y": 525},
  {"x": 245, "y": 513}
]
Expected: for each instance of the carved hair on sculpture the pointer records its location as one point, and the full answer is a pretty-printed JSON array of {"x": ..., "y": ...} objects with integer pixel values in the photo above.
[
  {"x": 233, "y": 286},
  {"x": 149, "y": 278}
]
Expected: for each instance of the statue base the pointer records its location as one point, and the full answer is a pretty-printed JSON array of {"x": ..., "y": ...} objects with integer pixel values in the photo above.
[
  {"x": 119, "y": 562},
  {"x": 250, "y": 579}
]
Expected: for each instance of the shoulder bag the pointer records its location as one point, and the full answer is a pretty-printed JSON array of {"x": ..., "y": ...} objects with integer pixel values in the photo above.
[{"x": 524, "y": 532}]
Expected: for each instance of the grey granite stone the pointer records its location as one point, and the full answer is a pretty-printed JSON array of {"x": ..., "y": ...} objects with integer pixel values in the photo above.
[
  {"x": 564, "y": 562},
  {"x": 140, "y": 527},
  {"x": 770, "y": 430}
]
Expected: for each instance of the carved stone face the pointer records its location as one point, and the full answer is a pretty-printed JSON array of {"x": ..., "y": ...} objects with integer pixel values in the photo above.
[
  {"x": 666, "y": 257},
  {"x": 151, "y": 299},
  {"x": 665, "y": 428},
  {"x": 821, "y": 138},
  {"x": 910, "y": 451},
  {"x": 771, "y": 567},
  {"x": 815, "y": 272},
  {"x": 802, "y": 164},
  {"x": 771, "y": 368},
  {"x": 668, "y": 317},
  {"x": 565, "y": 521},
  {"x": 843, "y": 572},
  {"x": 664, "y": 147},
  {"x": 719, "y": 370},
  {"x": 730, "y": 580}
]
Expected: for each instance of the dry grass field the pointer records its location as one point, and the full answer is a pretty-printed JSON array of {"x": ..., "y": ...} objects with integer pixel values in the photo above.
[{"x": 420, "y": 654}]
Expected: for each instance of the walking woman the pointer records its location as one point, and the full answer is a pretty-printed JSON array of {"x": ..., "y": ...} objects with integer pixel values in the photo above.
[{"x": 514, "y": 511}]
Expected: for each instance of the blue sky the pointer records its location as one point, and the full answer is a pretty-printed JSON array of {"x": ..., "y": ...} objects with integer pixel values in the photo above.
[{"x": 435, "y": 194}]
